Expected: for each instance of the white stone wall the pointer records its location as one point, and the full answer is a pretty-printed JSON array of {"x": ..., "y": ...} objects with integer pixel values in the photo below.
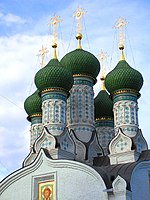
[
  {"x": 126, "y": 117},
  {"x": 73, "y": 181}
]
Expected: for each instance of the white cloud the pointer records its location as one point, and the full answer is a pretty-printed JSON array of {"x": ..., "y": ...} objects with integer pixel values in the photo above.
[{"x": 10, "y": 18}]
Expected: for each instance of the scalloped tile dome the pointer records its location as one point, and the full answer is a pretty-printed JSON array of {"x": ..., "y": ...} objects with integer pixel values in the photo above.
[
  {"x": 123, "y": 77},
  {"x": 83, "y": 62},
  {"x": 53, "y": 75},
  {"x": 103, "y": 105},
  {"x": 33, "y": 104}
]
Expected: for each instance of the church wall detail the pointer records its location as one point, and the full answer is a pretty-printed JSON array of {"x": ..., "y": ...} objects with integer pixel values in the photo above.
[
  {"x": 126, "y": 114},
  {"x": 80, "y": 108},
  {"x": 62, "y": 179},
  {"x": 54, "y": 112}
]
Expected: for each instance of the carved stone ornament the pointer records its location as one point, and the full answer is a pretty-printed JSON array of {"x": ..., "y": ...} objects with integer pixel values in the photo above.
[
  {"x": 46, "y": 140},
  {"x": 120, "y": 143}
]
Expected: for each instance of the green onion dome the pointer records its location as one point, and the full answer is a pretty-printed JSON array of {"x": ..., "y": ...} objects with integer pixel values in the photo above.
[
  {"x": 81, "y": 62},
  {"x": 33, "y": 104},
  {"x": 53, "y": 76},
  {"x": 103, "y": 106},
  {"x": 123, "y": 77}
]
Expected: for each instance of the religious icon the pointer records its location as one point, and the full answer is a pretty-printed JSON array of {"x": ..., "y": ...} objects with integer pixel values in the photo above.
[{"x": 46, "y": 190}]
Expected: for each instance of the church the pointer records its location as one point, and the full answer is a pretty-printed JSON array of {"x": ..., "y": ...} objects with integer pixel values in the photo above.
[{"x": 83, "y": 147}]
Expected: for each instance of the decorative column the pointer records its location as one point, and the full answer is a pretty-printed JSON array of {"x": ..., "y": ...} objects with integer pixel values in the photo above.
[
  {"x": 126, "y": 112},
  {"x": 54, "y": 111},
  {"x": 80, "y": 108}
]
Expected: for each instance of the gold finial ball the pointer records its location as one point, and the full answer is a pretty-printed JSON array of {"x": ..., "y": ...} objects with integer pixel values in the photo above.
[
  {"x": 102, "y": 78},
  {"x": 79, "y": 36},
  {"x": 121, "y": 47},
  {"x": 54, "y": 45}
]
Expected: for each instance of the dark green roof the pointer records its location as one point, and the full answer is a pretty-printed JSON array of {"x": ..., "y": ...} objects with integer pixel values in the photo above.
[
  {"x": 123, "y": 77},
  {"x": 53, "y": 75},
  {"x": 82, "y": 62},
  {"x": 103, "y": 105},
  {"x": 33, "y": 104}
]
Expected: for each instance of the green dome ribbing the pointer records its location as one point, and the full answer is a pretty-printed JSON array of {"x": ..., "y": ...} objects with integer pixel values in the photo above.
[
  {"x": 81, "y": 62},
  {"x": 53, "y": 75},
  {"x": 103, "y": 105},
  {"x": 33, "y": 104},
  {"x": 123, "y": 77}
]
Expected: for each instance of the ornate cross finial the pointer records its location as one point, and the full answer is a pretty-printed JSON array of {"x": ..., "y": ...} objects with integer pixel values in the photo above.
[
  {"x": 54, "y": 21},
  {"x": 42, "y": 53},
  {"x": 102, "y": 57},
  {"x": 119, "y": 24},
  {"x": 78, "y": 15}
]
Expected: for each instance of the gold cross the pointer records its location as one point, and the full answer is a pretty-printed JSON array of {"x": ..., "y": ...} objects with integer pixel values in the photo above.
[
  {"x": 119, "y": 24},
  {"x": 42, "y": 53},
  {"x": 102, "y": 56},
  {"x": 78, "y": 15},
  {"x": 54, "y": 21}
]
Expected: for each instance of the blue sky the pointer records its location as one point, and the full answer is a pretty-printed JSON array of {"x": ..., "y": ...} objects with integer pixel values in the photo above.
[{"x": 23, "y": 30}]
